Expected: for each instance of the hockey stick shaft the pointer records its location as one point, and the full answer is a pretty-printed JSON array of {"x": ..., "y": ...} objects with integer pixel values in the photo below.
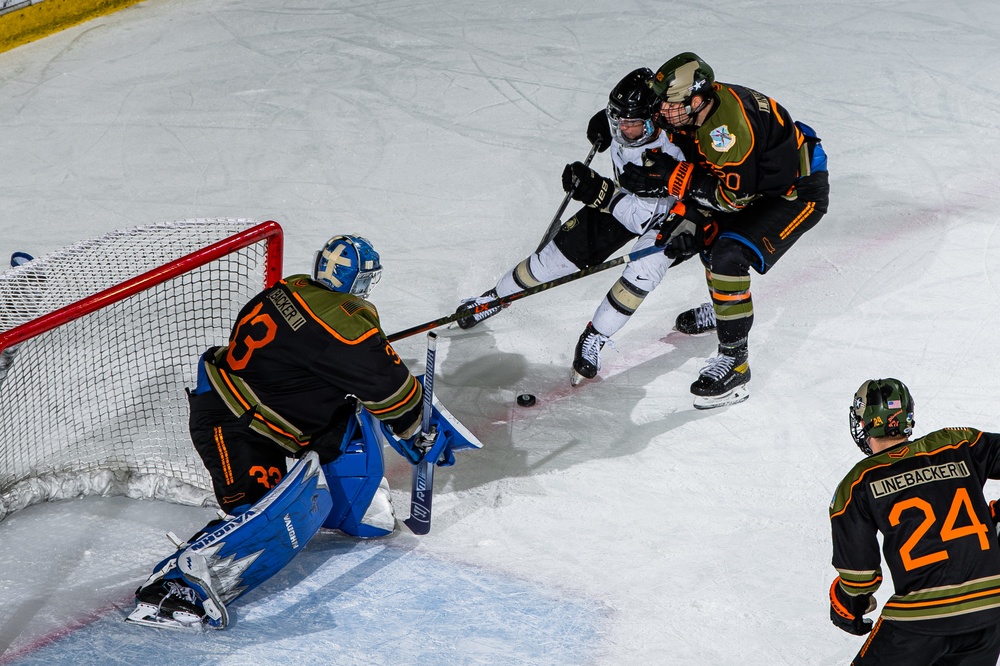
[
  {"x": 422, "y": 488},
  {"x": 556, "y": 220},
  {"x": 506, "y": 300}
]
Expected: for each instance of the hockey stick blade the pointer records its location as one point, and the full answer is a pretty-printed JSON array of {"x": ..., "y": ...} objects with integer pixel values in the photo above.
[{"x": 517, "y": 295}]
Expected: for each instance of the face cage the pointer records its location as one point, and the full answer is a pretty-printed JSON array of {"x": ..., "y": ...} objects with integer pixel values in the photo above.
[
  {"x": 859, "y": 433},
  {"x": 366, "y": 281}
]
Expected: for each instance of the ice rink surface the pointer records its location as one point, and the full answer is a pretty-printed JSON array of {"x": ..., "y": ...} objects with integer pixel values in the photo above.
[{"x": 611, "y": 523}]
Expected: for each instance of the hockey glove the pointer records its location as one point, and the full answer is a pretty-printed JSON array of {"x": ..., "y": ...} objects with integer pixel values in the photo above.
[
  {"x": 587, "y": 186},
  {"x": 598, "y": 131},
  {"x": 679, "y": 237},
  {"x": 847, "y": 612},
  {"x": 661, "y": 175}
]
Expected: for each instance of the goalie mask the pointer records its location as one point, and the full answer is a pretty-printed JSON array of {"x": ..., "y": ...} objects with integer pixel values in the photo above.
[
  {"x": 349, "y": 265},
  {"x": 881, "y": 408},
  {"x": 631, "y": 107}
]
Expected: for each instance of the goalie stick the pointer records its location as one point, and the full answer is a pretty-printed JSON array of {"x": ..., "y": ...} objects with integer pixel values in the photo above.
[
  {"x": 556, "y": 221},
  {"x": 422, "y": 489},
  {"x": 506, "y": 300}
]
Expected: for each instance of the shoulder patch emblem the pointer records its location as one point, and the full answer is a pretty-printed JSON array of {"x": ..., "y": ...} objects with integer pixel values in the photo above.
[{"x": 722, "y": 140}]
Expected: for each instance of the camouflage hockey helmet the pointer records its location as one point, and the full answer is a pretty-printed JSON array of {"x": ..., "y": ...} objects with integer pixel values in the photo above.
[
  {"x": 881, "y": 408},
  {"x": 682, "y": 77},
  {"x": 348, "y": 264},
  {"x": 633, "y": 99}
]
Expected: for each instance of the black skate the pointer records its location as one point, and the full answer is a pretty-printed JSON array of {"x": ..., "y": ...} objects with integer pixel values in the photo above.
[
  {"x": 587, "y": 359},
  {"x": 167, "y": 604},
  {"x": 723, "y": 381},
  {"x": 475, "y": 315},
  {"x": 696, "y": 320}
]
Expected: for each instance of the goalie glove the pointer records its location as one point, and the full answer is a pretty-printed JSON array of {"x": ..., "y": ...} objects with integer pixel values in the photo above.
[
  {"x": 412, "y": 449},
  {"x": 661, "y": 175},
  {"x": 847, "y": 612},
  {"x": 599, "y": 132},
  {"x": 438, "y": 442},
  {"x": 587, "y": 186}
]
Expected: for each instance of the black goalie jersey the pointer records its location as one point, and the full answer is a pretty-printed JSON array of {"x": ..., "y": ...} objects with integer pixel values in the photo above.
[
  {"x": 940, "y": 543},
  {"x": 298, "y": 357}
]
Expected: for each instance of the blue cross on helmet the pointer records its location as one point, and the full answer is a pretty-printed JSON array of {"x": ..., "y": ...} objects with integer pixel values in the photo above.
[{"x": 349, "y": 265}]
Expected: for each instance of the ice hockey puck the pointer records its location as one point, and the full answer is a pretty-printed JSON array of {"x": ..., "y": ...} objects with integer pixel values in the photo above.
[{"x": 525, "y": 400}]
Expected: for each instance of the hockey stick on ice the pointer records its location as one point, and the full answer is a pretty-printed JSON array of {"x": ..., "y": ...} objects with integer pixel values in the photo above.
[
  {"x": 505, "y": 300},
  {"x": 422, "y": 490},
  {"x": 556, "y": 221}
]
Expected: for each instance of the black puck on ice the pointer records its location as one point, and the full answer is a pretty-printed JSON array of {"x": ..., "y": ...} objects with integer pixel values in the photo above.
[{"x": 525, "y": 400}]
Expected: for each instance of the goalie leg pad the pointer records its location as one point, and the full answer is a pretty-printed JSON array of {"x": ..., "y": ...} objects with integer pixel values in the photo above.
[
  {"x": 244, "y": 551},
  {"x": 356, "y": 478}
]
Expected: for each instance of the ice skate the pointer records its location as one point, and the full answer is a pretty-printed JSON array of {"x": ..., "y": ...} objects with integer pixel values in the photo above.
[
  {"x": 587, "y": 359},
  {"x": 723, "y": 381},
  {"x": 696, "y": 321},
  {"x": 475, "y": 315},
  {"x": 167, "y": 604}
]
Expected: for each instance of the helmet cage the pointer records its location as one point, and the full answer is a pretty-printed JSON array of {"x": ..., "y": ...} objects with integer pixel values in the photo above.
[
  {"x": 676, "y": 83},
  {"x": 349, "y": 265}
]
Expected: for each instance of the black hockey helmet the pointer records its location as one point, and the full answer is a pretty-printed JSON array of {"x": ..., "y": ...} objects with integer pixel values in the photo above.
[
  {"x": 633, "y": 99},
  {"x": 881, "y": 408},
  {"x": 677, "y": 82}
]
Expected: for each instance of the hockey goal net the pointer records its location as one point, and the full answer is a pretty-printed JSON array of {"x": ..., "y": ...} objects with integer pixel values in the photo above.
[{"x": 97, "y": 343}]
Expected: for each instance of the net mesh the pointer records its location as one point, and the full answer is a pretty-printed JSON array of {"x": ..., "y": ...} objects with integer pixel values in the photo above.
[{"x": 97, "y": 405}]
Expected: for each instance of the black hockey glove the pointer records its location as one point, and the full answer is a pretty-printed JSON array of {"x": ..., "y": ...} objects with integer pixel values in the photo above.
[
  {"x": 587, "y": 186},
  {"x": 859, "y": 626},
  {"x": 599, "y": 132},
  {"x": 660, "y": 176},
  {"x": 848, "y": 613},
  {"x": 680, "y": 237}
]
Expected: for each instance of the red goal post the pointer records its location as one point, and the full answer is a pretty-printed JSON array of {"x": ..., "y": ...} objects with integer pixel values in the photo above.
[{"x": 97, "y": 343}]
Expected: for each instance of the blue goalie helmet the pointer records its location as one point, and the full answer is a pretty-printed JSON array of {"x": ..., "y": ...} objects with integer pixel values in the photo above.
[{"x": 349, "y": 265}]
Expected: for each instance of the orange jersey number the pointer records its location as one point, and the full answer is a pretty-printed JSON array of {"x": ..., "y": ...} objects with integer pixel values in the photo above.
[{"x": 949, "y": 532}]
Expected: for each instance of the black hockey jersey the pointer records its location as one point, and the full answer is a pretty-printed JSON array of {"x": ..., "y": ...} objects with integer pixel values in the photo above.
[
  {"x": 298, "y": 356},
  {"x": 750, "y": 145},
  {"x": 940, "y": 544}
]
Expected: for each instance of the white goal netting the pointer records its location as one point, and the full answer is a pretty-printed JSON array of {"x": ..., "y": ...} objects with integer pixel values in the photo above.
[{"x": 96, "y": 405}]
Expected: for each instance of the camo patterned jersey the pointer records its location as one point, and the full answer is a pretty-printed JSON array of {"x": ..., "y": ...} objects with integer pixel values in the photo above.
[
  {"x": 940, "y": 542},
  {"x": 299, "y": 354},
  {"x": 750, "y": 144}
]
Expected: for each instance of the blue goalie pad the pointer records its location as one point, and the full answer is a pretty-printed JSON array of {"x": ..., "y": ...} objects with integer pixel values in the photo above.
[
  {"x": 241, "y": 553},
  {"x": 354, "y": 478}
]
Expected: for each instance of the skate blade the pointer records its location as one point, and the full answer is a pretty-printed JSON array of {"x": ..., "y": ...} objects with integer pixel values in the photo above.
[
  {"x": 148, "y": 615},
  {"x": 575, "y": 378},
  {"x": 730, "y": 397}
]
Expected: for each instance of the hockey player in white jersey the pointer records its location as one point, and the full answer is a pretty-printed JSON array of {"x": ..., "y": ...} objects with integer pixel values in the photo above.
[{"x": 610, "y": 218}]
